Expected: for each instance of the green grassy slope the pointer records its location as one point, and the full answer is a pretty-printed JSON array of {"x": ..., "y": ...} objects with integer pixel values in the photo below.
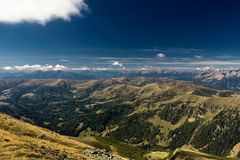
[
  {"x": 20, "y": 140},
  {"x": 151, "y": 114}
]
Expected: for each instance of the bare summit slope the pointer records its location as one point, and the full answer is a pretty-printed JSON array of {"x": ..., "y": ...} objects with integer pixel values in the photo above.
[{"x": 20, "y": 140}]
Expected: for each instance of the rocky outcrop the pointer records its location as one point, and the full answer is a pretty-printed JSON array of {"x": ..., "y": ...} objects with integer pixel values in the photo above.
[{"x": 100, "y": 154}]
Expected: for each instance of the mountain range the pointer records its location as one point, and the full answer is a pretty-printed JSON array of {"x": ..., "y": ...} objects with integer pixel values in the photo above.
[
  {"x": 133, "y": 117},
  {"x": 214, "y": 78}
]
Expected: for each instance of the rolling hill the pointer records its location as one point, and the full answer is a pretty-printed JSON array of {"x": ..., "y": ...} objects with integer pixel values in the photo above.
[
  {"x": 20, "y": 140},
  {"x": 149, "y": 114}
]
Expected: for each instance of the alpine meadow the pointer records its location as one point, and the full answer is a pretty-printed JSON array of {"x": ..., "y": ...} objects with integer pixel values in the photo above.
[{"x": 119, "y": 80}]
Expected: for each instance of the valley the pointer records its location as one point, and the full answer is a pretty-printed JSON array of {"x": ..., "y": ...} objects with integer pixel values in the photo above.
[{"x": 135, "y": 118}]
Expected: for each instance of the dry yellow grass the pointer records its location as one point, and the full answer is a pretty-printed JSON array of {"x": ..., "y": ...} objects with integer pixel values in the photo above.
[
  {"x": 235, "y": 151},
  {"x": 157, "y": 155},
  {"x": 23, "y": 141}
]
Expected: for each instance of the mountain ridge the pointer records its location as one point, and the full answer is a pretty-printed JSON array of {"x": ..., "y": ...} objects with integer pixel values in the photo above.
[{"x": 150, "y": 113}]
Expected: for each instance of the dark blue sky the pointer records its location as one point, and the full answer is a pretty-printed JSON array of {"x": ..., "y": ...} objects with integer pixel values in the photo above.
[{"x": 133, "y": 28}]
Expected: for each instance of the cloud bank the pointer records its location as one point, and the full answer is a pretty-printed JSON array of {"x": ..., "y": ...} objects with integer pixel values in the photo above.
[
  {"x": 35, "y": 67},
  {"x": 39, "y": 11},
  {"x": 47, "y": 67}
]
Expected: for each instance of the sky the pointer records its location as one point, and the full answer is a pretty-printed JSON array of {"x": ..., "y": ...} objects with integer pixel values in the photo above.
[{"x": 81, "y": 34}]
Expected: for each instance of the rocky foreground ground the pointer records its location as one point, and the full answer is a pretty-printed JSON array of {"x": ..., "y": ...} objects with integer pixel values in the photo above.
[{"x": 100, "y": 154}]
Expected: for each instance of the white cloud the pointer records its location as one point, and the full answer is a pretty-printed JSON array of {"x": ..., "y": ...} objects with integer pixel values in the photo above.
[
  {"x": 204, "y": 68},
  {"x": 39, "y": 11},
  {"x": 117, "y": 63},
  {"x": 35, "y": 67},
  {"x": 102, "y": 69},
  {"x": 59, "y": 67},
  {"x": 81, "y": 69},
  {"x": 161, "y": 55},
  {"x": 198, "y": 57},
  {"x": 8, "y": 68},
  {"x": 64, "y": 60}
]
